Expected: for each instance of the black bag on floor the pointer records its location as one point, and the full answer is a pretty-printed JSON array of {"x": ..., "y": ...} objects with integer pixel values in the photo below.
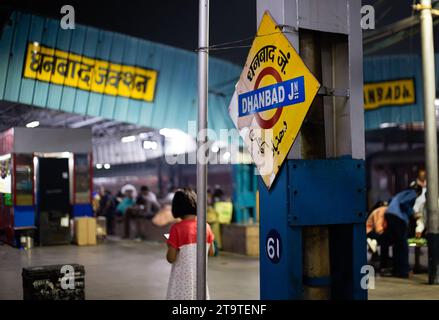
[{"x": 54, "y": 283}]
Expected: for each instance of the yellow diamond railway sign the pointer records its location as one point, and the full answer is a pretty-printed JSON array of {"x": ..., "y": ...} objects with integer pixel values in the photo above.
[{"x": 273, "y": 95}]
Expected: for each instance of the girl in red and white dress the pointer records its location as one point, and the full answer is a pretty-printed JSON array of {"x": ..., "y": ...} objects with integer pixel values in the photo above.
[{"x": 182, "y": 247}]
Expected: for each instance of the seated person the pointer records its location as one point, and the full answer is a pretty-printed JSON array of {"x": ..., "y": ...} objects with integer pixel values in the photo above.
[
  {"x": 376, "y": 225},
  {"x": 146, "y": 203},
  {"x": 124, "y": 208},
  {"x": 398, "y": 215}
]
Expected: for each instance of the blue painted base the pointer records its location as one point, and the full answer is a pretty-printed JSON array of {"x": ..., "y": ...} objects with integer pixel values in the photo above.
[
  {"x": 244, "y": 194},
  {"x": 306, "y": 193},
  {"x": 82, "y": 210},
  {"x": 24, "y": 216}
]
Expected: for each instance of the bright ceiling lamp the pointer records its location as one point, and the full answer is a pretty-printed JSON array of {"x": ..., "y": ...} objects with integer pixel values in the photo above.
[
  {"x": 33, "y": 124},
  {"x": 150, "y": 145},
  {"x": 385, "y": 125},
  {"x": 227, "y": 155},
  {"x": 144, "y": 135},
  {"x": 215, "y": 148},
  {"x": 169, "y": 133},
  {"x": 128, "y": 139}
]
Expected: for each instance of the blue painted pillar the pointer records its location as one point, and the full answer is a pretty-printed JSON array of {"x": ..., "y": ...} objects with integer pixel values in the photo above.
[
  {"x": 280, "y": 278},
  {"x": 244, "y": 193},
  {"x": 329, "y": 193}
]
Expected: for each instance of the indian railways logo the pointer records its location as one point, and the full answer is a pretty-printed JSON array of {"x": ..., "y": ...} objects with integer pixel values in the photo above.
[{"x": 274, "y": 96}]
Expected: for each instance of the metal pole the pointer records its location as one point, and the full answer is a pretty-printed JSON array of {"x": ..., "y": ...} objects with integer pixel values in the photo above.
[
  {"x": 203, "y": 54},
  {"x": 430, "y": 140}
]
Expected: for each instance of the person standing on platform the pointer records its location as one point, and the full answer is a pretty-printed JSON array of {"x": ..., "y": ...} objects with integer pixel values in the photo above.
[
  {"x": 147, "y": 203},
  {"x": 397, "y": 216},
  {"x": 126, "y": 204},
  {"x": 107, "y": 208},
  {"x": 376, "y": 226},
  {"x": 419, "y": 207},
  {"x": 182, "y": 247}
]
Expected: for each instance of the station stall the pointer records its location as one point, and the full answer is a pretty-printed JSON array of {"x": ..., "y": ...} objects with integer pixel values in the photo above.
[{"x": 46, "y": 179}]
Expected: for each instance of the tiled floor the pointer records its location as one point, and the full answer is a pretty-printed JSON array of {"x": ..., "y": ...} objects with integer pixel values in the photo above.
[
  {"x": 138, "y": 270},
  {"x": 128, "y": 270}
]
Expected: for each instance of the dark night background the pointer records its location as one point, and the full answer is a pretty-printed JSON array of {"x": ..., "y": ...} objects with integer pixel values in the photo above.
[{"x": 175, "y": 22}]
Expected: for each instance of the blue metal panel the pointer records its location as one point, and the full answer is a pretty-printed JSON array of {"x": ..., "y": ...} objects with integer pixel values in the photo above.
[
  {"x": 129, "y": 57},
  {"x": 178, "y": 99},
  {"x": 24, "y": 216},
  {"x": 27, "y": 86},
  {"x": 5, "y": 50},
  {"x": 77, "y": 40},
  {"x": 50, "y": 33},
  {"x": 61, "y": 97},
  {"x": 103, "y": 50},
  {"x": 244, "y": 192},
  {"x": 347, "y": 256},
  {"x": 168, "y": 62},
  {"x": 82, "y": 210},
  {"x": 339, "y": 185},
  {"x": 89, "y": 50},
  {"x": 151, "y": 52},
  {"x": 13, "y": 80},
  {"x": 282, "y": 280},
  {"x": 393, "y": 67},
  {"x": 133, "y": 107},
  {"x": 116, "y": 55},
  {"x": 77, "y": 43},
  {"x": 359, "y": 260},
  {"x": 222, "y": 81},
  {"x": 176, "y": 96}
]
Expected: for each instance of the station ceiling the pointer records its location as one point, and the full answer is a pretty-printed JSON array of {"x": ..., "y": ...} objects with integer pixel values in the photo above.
[
  {"x": 115, "y": 84},
  {"x": 18, "y": 115},
  {"x": 101, "y": 75},
  {"x": 107, "y": 134},
  {"x": 176, "y": 96}
]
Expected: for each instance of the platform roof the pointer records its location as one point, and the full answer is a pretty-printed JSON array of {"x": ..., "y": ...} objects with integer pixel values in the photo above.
[
  {"x": 175, "y": 98},
  {"x": 395, "y": 67}
]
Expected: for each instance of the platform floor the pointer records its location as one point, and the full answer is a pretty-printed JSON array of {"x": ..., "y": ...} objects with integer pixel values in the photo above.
[
  {"x": 138, "y": 270},
  {"x": 126, "y": 269}
]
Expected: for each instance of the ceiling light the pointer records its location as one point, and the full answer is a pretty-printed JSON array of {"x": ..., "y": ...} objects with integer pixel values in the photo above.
[
  {"x": 144, "y": 135},
  {"x": 33, "y": 124},
  {"x": 226, "y": 155},
  {"x": 169, "y": 133},
  {"x": 150, "y": 145},
  {"x": 388, "y": 125},
  {"x": 128, "y": 139},
  {"x": 215, "y": 148},
  {"x": 165, "y": 132}
]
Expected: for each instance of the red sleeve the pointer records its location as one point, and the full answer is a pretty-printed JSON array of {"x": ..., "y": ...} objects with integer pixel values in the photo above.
[
  {"x": 173, "y": 237},
  {"x": 209, "y": 237}
]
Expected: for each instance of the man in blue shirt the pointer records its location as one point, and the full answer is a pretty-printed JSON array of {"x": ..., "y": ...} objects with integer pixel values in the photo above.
[
  {"x": 398, "y": 215},
  {"x": 125, "y": 206}
]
